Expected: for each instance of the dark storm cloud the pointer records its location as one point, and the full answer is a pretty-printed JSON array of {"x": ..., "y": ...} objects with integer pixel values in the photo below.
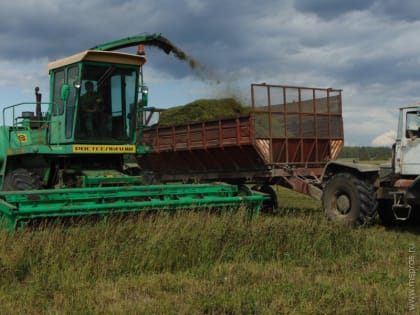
[
  {"x": 266, "y": 39},
  {"x": 407, "y": 10},
  {"x": 39, "y": 31},
  {"x": 55, "y": 29},
  {"x": 329, "y": 9},
  {"x": 370, "y": 48},
  {"x": 387, "y": 70}
]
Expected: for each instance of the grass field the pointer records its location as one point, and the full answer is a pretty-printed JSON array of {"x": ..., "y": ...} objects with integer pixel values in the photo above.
[{"x": 201, "y": 263}]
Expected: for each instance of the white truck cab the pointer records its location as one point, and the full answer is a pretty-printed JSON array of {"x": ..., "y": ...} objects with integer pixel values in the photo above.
[{"x": 407, "y": 145}]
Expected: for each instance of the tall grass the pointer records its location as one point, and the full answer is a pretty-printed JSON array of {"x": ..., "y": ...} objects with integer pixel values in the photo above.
[{"x": 203, "y": 263}]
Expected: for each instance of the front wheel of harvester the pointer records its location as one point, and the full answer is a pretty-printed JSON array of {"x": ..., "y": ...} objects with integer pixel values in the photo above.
[
  {"x": 21, "y": 179},
  {"x": 349, "y": 200}
]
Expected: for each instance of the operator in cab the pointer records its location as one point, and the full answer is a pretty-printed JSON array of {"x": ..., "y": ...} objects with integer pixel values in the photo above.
[{"x": 91, "y": 108}]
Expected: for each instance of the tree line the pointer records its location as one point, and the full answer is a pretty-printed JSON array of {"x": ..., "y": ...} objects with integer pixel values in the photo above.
[{"x": 366, "y": 153}]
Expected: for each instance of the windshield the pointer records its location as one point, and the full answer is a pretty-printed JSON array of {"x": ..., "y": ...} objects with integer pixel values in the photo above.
[
  {"x": 413, "y": 124},
  {"x": 106, "y": 104}
]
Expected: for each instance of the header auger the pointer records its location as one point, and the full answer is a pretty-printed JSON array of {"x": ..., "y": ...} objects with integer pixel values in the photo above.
[{"x": 69, "y": 157}]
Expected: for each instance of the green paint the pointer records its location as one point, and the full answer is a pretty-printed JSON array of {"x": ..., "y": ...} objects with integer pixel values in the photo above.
[
  {"x": 17, "y": 208},
  {"x": 76, "y": 153}
]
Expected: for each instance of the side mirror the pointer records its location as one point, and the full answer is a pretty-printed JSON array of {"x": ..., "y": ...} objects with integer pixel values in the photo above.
[
  {"x": 144, "y": 95},
  {"x": 77, "y": 85},
  {"x": 64, "y": 92}
]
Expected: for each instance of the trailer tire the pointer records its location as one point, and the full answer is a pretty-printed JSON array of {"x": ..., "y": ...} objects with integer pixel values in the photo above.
[
  {"x": 270, "y": 205},
  {"x": 349, "y": 200},
  {"x": 21, "y": 179},
  {"x": 244, "y": 190}
]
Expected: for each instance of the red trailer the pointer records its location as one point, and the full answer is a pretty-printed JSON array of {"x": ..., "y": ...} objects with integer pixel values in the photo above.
[{"x": 287, "y": 139}]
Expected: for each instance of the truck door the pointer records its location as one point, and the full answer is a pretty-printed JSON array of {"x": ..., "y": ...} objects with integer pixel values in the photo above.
[{"x": 407, "y": 150}]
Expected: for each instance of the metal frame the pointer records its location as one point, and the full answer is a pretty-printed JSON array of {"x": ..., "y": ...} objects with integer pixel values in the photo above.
[{"x": 283, "y": 141}]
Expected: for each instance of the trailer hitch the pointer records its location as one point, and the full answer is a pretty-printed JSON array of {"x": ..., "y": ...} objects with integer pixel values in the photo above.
[{"x": 401, "y": 209}]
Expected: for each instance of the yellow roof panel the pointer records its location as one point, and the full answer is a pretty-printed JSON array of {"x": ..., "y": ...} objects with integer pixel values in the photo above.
[{"x": 100, "y": 56}]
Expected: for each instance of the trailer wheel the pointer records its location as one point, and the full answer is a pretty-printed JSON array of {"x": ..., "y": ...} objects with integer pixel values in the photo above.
[
  {"x": 270, "y": 205},
  {"x": 244, "y": 190},
  {"x": 21, "y": 179},
  {"x": 348, "y": 200}
]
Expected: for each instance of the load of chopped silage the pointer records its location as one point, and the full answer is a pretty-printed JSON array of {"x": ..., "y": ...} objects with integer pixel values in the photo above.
[{"x": 202, "y": 110}]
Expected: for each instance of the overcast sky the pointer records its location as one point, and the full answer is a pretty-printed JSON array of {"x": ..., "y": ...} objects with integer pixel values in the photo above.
[{"x": 368, "y": 48}]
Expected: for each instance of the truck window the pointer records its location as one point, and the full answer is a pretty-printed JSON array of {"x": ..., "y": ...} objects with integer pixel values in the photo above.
[{"x": 413, "y": 124}]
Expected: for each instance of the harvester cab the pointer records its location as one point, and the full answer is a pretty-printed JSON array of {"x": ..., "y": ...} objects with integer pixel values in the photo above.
[
  {"x": 94, "y": 97},
  {"x": 68, "y": 158},
  {"x": 87, "y": 128}
]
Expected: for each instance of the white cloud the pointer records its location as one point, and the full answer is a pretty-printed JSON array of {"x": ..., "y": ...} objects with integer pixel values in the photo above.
[
  {"x": 18, "y": 80},
  {"x": 385, "y": 139},
  {"x": 196, "y": 6}
]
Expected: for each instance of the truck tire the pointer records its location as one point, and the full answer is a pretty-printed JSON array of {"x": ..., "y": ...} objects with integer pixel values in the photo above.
[
  {"x": 349, "y": 200},
  {"x": 21, "y": 179}
]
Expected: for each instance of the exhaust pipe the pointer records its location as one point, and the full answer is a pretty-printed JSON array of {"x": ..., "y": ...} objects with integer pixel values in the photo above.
[{"x": 38, "y": 97}]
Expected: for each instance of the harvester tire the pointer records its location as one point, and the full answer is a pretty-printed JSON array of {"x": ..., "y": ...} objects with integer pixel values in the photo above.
[
  {"x": 21, "y": 179},
  {"x": 348, "y": 200}
]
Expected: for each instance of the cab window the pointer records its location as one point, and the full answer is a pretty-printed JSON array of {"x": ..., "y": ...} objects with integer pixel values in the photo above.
[
  {"x": 58, "y": 104},
  {"x": 413, "y": 124}
]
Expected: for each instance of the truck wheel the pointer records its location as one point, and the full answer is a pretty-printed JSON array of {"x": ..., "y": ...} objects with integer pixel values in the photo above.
[
  {"x": 21, "y": 179},
  {"x": 348, "y": 200}
]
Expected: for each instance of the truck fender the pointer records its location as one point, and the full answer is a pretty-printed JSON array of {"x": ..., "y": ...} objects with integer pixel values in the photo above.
[{"x": 369, "y": 172}]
